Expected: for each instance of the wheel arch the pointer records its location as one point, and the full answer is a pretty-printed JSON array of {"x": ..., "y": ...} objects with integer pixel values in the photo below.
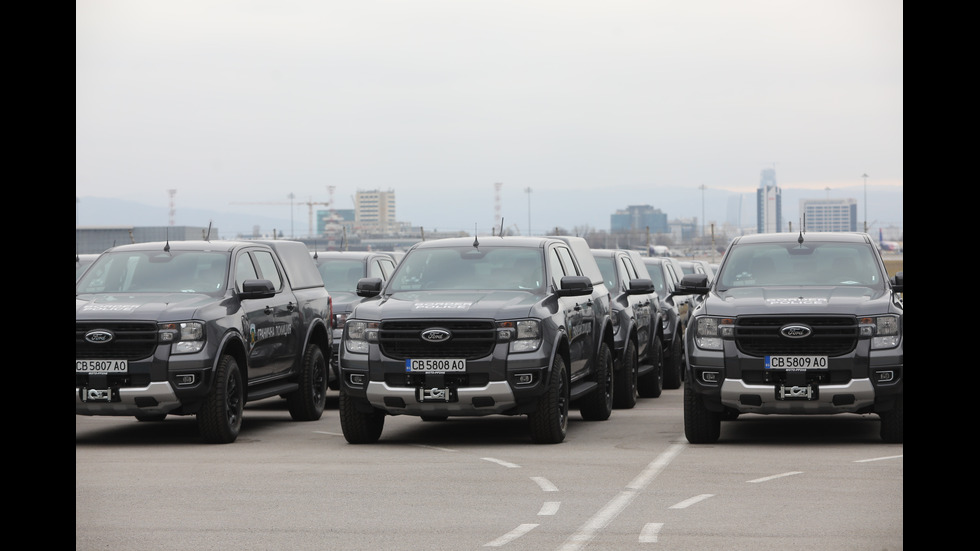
[
  {"x": 234, "y": 345},
  {"x": 320, "y": 335}
]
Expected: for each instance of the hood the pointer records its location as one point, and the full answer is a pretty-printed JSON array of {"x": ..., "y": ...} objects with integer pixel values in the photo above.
[
  {"x": 787, "y": 300},
  {"x": 144, "y": 306},
  {"x": 448, "y": 304},
  {"x": 344, "y": 301}
]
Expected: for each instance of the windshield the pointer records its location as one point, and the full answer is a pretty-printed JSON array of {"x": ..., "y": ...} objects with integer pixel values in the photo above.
[
  {"x": 820, "y": 264},
  {"x": 341, "y": 274},
  {"x": 156, "y": 272},
  {"x": 80, "y": 267},
  {"x": 497, "y": 268}
]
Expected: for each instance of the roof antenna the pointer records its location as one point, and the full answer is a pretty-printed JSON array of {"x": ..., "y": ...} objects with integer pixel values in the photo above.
[
  {"x": 315, "y": 254},
  {"x": 207, "y": 237},
  {"x": 500, "y": 230},
  {"x": 476, "y": 240},
  {"x": 166, "y": 248},
  {"x": 802, "y": 230}
]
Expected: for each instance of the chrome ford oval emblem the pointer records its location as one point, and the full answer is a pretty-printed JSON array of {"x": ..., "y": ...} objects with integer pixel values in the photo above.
[
  {"x": 436, "y": 335},
  {"x": 795, "y": 331},
  {"x": 99, "y": 336}
]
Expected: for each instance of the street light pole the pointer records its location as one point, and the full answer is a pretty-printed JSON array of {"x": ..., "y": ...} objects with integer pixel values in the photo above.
[
  {"x": 292, "y": 234},
  {"x": 528, "y": 191},
  {"x": 702, "y": 188},
  {"x": 865, "y": 176}
]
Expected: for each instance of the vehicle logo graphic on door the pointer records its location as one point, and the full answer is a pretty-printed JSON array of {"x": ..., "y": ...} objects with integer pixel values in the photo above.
[
  {"x": 436, "y": 335},
  {"x": 795, "y": 331},
  {"x": 99, "y": 336}
]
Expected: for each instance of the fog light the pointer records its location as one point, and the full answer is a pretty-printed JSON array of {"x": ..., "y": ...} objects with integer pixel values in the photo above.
[
  {"x": 524, "y": 378},
  {"x": 709, "y": 376},
  {"x": 356, "y": 379},
  {"x": 185, "y": 379},
  {"x": 885, "y": 376}
]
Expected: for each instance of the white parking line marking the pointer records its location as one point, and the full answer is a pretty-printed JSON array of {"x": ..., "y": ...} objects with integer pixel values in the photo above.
[
  {"x": 545, "y": 484},
  {"x": 775, "y": 476},
  {"x": 618, "y": 503},
  {"x": 549, "y": 508},
  {"x": 654, "y": 468},
  {"x": 879, "y": 458},
  {"x": 435, "y": 448},
  {"x": 510, "y": 536},
  {"x": 650, "y": 532},
  {"x": 501, "y": 462},
  {"x": 691, "y": 501}
]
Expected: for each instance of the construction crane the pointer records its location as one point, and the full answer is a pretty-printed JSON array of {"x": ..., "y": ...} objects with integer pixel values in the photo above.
[{"x": 309, "y": 203}]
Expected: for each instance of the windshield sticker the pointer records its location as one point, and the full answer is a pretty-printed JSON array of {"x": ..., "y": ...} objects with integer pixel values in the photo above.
[
  {"x": 126, "y": 308},
  {"x": 442, "y": 305},
  {"x": 800, "y": 300}
]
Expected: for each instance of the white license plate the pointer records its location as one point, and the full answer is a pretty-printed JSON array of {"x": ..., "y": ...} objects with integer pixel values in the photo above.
[
  {"x": 435, "y": 366},
  {"x": 101, "y": 366},
  {"x": 796, "y": 362}
]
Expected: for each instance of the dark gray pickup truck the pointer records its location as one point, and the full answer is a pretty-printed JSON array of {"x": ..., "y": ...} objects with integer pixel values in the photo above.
[
  {"x": 795, "y": 325},
  {"x": 201, "y": 328},
  {"x": 480, "y": 326}
]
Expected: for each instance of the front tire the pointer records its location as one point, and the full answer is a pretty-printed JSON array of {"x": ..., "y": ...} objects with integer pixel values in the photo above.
[
  {"x": 651, "y": 384},
  {"x": 220, "y": 418},
  {"x": 893, "y": 422},
  {"x": 701, "y": 425},
  {"x": 674, "y": 365},
  {"x": 598, "y": 405},
  {"x": 307, "y": 403},
  {"x": 359, "y": 427},
  {"x": 549, "y": 421},
  {"x": 624, "y": 393}
]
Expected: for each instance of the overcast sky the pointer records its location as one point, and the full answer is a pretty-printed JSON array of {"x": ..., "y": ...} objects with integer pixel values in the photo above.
[{"x": 594, "y": 106}]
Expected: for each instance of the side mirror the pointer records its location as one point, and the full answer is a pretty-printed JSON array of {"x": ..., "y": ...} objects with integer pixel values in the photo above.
[
  {"x": 257, "y": 288},
  {"x": 693, "y": 284},
  {"x": 573, "y": 286},
  {"x": 369, "y": 286},
  {"x": 898, "y": 283},
  {"x": 640, "y": 286}
]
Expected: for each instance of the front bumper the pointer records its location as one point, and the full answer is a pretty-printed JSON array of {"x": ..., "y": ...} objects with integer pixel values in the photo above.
[
  {"x": 500, "y": 383},
  {"x": 859, "y": 382},
  {"x": 161, "y": 384}
]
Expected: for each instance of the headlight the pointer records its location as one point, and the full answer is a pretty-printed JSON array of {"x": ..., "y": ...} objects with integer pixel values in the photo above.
[
  {"x": 358, "y": 335},
  {"x": 710, "y": 332},
  {"x": 524, "y": 335},
  {"x": 887, "y": 331},
  {"x": 184, "y": 338}
]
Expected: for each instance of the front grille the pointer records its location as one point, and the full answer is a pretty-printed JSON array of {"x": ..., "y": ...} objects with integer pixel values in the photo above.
[
  {"x": 813, "y": 376},
  {"x": 131, "y": 341},
  {"x": 469, "y": 339},
  {"x": 453, "y": 380},
  {"x": 116, "y": 381},
  {"x": 832, "y": 335}
]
